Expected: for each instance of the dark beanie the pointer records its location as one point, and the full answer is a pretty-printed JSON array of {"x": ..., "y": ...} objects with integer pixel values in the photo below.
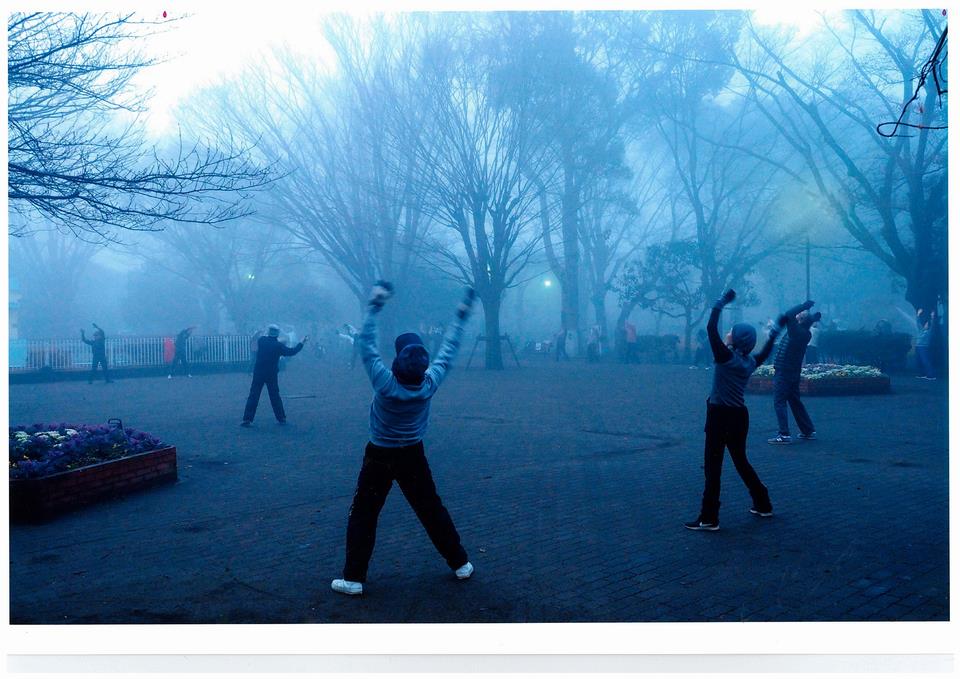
[
  {"x": 412, "y": 359},
  {"x": 744, "y": 337}
]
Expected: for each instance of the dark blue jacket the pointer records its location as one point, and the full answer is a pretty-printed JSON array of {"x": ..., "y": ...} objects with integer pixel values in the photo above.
[{"x": 269, "y": 351}]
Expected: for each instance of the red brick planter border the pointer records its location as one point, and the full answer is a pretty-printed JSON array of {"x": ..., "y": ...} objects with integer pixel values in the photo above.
[
  {"x": 838, "y": 386},
  {"x": 42, "y": 498}
]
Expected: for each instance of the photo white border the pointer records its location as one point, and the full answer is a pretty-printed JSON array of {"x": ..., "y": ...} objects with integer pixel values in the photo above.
[{"x": 512, "y": 638}]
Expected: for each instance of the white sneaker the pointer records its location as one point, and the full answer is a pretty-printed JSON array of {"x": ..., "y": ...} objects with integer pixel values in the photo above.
[
  {"x": 465, "y": 571},
  {"x": 347, "y": 587}
]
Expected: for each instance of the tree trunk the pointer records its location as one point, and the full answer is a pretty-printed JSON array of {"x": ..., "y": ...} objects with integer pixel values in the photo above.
[
  {"x": 687, "y": 331},
  {"x": 491, "y": 330},
  {"x": 600, "y": 312},
  {"x": 570, "y": 295},
  {"x": 620, "y": 337}
]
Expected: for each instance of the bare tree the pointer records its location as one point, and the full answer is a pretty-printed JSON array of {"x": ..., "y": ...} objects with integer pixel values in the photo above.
[
  {"x": 228, "y": 263},
  {"x": 486, "y": 169},
  {"x": 888, "y": 193},
  {"x": 560, "y": 73},
  {"x": 348, "y": 144},
  {"x": 77, "y": 156},
  {"x": 51, "y": 270},
  {"x": 617, "y": 218}
]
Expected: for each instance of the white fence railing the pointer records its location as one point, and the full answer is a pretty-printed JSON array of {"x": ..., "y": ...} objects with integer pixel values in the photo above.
[{"x": 126, "y": 352}]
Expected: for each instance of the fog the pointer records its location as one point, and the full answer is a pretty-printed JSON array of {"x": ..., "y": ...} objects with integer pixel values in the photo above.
[{"x": 576, "y": 169}]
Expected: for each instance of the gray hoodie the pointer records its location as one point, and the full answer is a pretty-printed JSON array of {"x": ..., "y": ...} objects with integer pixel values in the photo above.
[{"x": 399, "y": 414}]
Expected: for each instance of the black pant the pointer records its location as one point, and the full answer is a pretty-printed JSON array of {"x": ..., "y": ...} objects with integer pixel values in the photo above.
[
  {"x": 408, "y": 466},
  {"x": 787, "y": 390},
  {"x": 273, "y": 389},
  {"x": 98, "y": 360},
  {"x": 727, "y": 428},
  {"x": 179, "y": 360}
]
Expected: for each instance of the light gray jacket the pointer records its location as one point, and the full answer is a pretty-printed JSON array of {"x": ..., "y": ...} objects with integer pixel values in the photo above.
[{"x": 399, "y": 413}]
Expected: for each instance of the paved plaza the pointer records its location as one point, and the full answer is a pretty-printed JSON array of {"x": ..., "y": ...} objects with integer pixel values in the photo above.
[{"x": 569, "y": 485}]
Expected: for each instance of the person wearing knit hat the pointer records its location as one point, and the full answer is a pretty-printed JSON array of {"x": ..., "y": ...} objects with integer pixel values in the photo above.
[
  {"x": 399, "y": 414},
  {"x": 727, "y": 417},
  {"x": 787, "y": 365},
  {"x": 269, "y": 351}
]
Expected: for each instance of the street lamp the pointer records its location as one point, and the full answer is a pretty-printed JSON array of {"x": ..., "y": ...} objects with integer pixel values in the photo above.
[{"x": 547, "y": 283}]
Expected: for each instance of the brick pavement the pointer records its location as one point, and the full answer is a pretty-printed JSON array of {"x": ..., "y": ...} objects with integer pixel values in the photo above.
[{"x": 570, "y": 508}]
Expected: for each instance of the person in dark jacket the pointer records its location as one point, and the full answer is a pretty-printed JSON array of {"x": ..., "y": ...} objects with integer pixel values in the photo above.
[
  {"x": 399, "y": 414},
  {"x": 786, "y": 378},
  {"x": 727, "y": 417},
  {"x": 99, "y": 346},
  {"x": 180, "y": 352},
  {"x": 269, "y": 351}
]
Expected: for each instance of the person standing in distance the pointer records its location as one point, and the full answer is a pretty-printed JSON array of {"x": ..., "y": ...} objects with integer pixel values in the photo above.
[
  {"x": 180, "y": 353},
  {"x": 727, "y": 417},
  {"x": 269, "y": 351},
  {"x": 399, "y": 415},
  {"x": 99, "y": 346}
]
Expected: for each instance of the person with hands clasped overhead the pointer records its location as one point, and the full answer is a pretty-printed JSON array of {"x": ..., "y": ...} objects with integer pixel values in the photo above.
[
  {"x": 727, "y": 417},
  {"x": 786, "y": 378},
  {"x": 399, "y": 414}
]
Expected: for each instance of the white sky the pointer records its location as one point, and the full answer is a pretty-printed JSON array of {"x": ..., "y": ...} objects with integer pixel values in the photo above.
[
  {"x": 215, "y": 42},
  {"x": 218, "y": 41}
]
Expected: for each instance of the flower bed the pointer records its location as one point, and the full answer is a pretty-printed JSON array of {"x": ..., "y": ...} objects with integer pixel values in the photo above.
[
  {"x": 59, "y": 467},
  {"x": 826, "y": 379}
]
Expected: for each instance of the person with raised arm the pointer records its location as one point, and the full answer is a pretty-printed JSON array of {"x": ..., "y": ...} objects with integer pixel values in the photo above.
[
  {"x": 99, "y": 347},
  {"x": 399, "y": 414},
  {"x": 727, "y": 417},
  {"x": 787, "y": 366},
  {"x": 269, "y": 351}
]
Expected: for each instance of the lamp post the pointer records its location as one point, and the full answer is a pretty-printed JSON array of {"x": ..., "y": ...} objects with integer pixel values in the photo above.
[{"x": 808, "y": 267}]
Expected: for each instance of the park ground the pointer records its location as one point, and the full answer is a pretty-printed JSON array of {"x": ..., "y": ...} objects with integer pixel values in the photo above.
[{"x": 569, "y": 485}]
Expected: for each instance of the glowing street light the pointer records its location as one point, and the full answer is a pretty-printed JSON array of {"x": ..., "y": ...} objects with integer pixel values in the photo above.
[{"x": 547, "y": 283}]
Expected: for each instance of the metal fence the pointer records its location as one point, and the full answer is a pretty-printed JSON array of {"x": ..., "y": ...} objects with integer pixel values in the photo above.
[{"x": 126, "y": 352}]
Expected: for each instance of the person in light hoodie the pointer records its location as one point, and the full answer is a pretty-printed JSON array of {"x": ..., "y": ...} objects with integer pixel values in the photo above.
[{"x": 399, "y": 415}]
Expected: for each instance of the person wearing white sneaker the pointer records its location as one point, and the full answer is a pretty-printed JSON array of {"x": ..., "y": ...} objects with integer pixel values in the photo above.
[
  {"x": 727, "y": 417},
  {"x": 399, "y": 415}
]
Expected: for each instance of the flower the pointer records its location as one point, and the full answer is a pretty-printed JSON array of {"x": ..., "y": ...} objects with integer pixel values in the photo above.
[
  {"x": 822, "y": 371},
  {"x": 41, "y": 450}
]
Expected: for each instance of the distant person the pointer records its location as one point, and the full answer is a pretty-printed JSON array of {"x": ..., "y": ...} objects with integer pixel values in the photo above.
[
  {"x": 813, "y": 348},
  {"x": 593, "y": 345},
  {"x": 727, "y": 417},
  {"x": 561, "y": 348},
  {"x": 350, "y": 334},
  {"x": 925, "y": 324},
  {"x": 180, "y": 353},
  {"x": 787, "y": 366},
  {"x": 269, "y": 351},
  {"x": 702, "y": 354},
  {"x": 630, "y": 339},
  {"x": 398, "y": 420},
  {"x": 436, "y": 337},
  {"x": 99, "y": 346}
]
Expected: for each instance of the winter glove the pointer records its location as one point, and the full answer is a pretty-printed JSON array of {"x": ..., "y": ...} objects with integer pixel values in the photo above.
[
  {"x": 463, "y": 309},
  {"x": 381, "y": 292},
  {"x": 816, "y": 317},
  {"x": 725, "y": 299},
  {"x": 809, "y": 303}
]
